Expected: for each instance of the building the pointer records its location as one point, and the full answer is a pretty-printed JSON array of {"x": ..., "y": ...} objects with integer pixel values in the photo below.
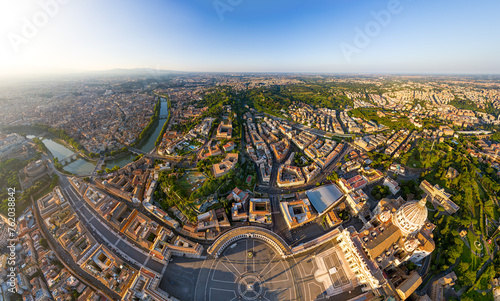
[
  {"x": 311, "y": 171},
  {"x": 352, "y": 184},
  {"x": 13, "y": 146},
  {"x": 34, "y": 171},
  {"x": 356, "y": 200},
  {"x": 495, "y": 283},
  {"x": 41, "y": 293},
  {"x": 161, "y": 214},
  {"x": 446, "y": 130},
  {"x": 324, "y": 198},
  {"x": 265, "y": 173},
  {"x": 392, "y": 184},
  {"x": 408, "y": 286},
  {"x": 324, "y": 161},
  {"x": 371, "y": 175},
  {"x": 369, "y": 276},
  {"x": 79, "y": 185},
  {"x": 229, "y": 146},
  {"x": 289, "y": 176},
  {"x": 439, "y": 197},
  {"x": 452, "y": 173},
  {"x": 280, "y": 149},
  {"x": 94, "y": 197},
  {"x": 238, "y": 195},
  {"x": 224, "y": 167},
  {"x": 214, "y": 219},
  {"x": 398, "y": 232},
  {"x": 332, "y": 219},
  {"x": 224, "y": 130},
  {"x": 438, "y": 286},
  {"x": 303, "y": 139},
  {"x": 297, "y": 213},
  {"x": 397, "y": 169},
  {"x": 145, "y": 287},
  {"x": 238, "y": 212},
  {"x": 52, "y": 203},
  {"x": 78, "y": 242},
  {"x": 260, "y": 211},
  {"x": 109, "y": 270},
  {"x": 184, "y": 247}
]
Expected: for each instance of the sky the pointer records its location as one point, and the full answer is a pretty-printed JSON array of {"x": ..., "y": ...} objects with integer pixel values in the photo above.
[{"x": 333, "y": 36}]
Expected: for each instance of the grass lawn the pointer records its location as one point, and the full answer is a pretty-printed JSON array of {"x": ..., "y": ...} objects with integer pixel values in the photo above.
[
  {"x": 469, "y": 257},
  {"x": 472, "y": 239},
  {"x": 484, "y": 281},
  {"x": 478, "y": 297},
  {"x": 190, "y": 182},
  {"x": 414, "y": 163}
]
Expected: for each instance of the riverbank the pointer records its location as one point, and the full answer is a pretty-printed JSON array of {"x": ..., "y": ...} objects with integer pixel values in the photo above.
[
  {"x": 70, "y": 147},
  {"x": 85, "y": 165},
  {"x": 146, "y": 132},
  {"x": 79, "y": 167},
  {"x": 45, "y": 130},
  {"x": 165, "y": 125},
  {"x": 117, "y": 156}
]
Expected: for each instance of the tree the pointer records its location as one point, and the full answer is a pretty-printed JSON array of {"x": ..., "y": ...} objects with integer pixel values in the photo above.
[
  {"x": 334, "y": 177},
  {"x": 468, "y": 277},
  {"x": 463, "y": 267},
  {"x": 411, "y": 266},
  {"x": 43, "y": 242}
]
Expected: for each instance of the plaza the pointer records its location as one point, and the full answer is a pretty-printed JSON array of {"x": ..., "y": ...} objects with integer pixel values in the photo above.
[{"x": 251, "y": 268}]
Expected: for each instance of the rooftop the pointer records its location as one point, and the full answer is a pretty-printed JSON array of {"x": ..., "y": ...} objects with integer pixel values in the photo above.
[{"x": 324, "y": 197}]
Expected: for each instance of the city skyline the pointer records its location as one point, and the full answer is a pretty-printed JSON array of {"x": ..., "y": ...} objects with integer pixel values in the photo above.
[
  {"x": 201, "y": 150},
  {"x": 389, "y": 37}
]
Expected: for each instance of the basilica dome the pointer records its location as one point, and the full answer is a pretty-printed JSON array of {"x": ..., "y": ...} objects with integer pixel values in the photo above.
[{"x": 410, "y": 217}]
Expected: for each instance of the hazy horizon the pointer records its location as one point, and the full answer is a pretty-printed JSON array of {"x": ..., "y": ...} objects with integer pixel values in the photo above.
[{"x": 384, "y": 37}]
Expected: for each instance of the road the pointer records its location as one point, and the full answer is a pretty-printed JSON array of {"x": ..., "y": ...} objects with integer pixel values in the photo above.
[
  {"x": 66, "y": 259},
  {"x": 127, "y": 251},
  {"x": 98, "y": 165},
  {"x": 124, "y": 249},
  {"x": 319, "y": 179}
]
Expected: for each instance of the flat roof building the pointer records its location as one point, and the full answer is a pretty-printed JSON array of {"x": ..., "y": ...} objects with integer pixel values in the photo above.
[
  {"x": 297, "y": 213},
  {"x": 260, "y": 211},
  {"x": 325, "y": 197},
  {"x": 409, "y": 285}
]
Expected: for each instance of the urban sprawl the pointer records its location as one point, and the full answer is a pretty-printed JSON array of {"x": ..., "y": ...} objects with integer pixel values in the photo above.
[{"x": 257, "y": 187}]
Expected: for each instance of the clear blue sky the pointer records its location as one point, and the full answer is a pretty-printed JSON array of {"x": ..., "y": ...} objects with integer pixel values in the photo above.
[{"x": 255, "y": 35}]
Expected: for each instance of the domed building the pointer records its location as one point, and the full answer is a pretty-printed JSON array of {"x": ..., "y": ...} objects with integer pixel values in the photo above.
[
  {"x": 411, "y": 217},
  {"x": 398, "y": 232}
]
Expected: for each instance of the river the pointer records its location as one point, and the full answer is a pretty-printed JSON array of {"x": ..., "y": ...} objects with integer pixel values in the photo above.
[
  {"x": 146, "y": 145},
  {"x": 82, "y": 167},
  {"x": 79, "y": 167}
]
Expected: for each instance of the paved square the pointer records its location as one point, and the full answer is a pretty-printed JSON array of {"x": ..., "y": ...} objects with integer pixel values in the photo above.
[{"x": 249, "y": 270}]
